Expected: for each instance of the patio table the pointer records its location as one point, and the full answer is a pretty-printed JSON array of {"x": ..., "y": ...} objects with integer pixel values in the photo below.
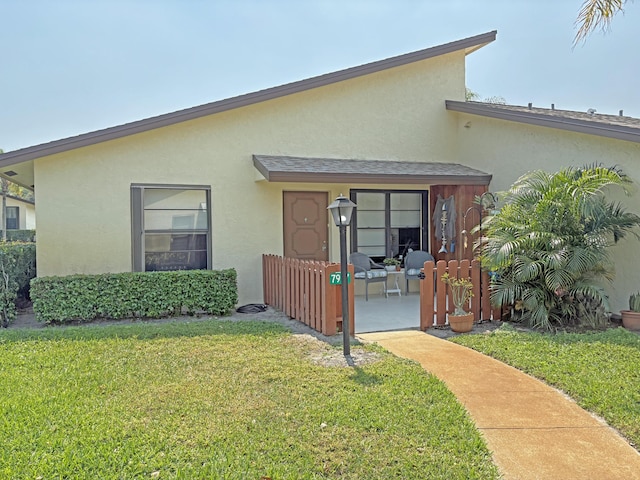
[{"x": 395, "y": 274}]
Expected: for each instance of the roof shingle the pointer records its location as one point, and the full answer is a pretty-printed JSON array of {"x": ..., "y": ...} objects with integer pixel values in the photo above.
[{"x": 334, "y": 170}]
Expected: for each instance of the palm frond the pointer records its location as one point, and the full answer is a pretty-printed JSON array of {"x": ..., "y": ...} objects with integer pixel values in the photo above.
[
  {"x": 584, "y": 259},
  {"x": 559, "y": 281},
  {"x": 596, "y": 14},
  {"x": 526, "y": 269},
  {"x": 538, "y": 317},
  {"x": 558, "y": 258},
  {"x": 592, "y": 291}
]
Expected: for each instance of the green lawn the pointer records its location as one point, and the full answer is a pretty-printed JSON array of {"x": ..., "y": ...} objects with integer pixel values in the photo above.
[
  {"x": 217, "y": 399},
  {"x": 601, "y": 371}
]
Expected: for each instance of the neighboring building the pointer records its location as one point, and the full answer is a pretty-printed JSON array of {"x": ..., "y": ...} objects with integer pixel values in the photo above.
[
  {"x": 218, "y": 185},
  {"x": 21, "y": 213}
]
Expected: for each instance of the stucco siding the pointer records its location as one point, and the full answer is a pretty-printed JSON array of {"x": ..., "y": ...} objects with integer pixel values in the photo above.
[
  {"x": 508, "y": 150},
  {"x": 84, "y": 226}
]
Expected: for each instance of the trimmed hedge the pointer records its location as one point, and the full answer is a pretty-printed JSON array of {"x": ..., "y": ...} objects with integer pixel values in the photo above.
[
  {"x": 17, "y": 268},
  {"x": 20, "y": 263},
  {"x": 20, "y": 235},
  {"x": 137, "y": 294}
]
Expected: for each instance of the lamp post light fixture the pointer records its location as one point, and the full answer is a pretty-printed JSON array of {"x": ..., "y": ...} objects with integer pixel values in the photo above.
[{"x": 341, "y": 210}]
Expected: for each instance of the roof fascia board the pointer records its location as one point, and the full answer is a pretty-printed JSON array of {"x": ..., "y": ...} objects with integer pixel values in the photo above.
[
  {"x": 261, "y": 168},
  {"x": 618, "y": 132},
  {"x": 167, "y": 119}
]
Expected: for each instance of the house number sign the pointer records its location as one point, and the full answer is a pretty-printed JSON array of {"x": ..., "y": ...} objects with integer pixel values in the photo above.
[{"x": 335, "y": 278}]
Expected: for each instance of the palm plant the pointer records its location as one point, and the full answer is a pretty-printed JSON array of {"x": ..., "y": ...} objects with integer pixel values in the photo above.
[{"x": 549, "y": 245}]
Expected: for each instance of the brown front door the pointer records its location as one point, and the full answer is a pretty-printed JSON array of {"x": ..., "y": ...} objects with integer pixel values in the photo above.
[{"x": 305, "y": 225}]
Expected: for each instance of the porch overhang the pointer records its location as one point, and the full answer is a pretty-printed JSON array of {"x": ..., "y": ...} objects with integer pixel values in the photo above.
[
  {"x": 335, "y": 170},
  {"x": 20, "y": 173}
]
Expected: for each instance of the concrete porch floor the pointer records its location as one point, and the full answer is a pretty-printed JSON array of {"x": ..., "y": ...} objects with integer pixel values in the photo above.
[{"x": 382, "y": 313}]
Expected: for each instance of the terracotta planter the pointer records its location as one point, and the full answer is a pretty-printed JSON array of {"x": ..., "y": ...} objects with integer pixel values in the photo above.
[
  {"x": 461, "y": 323},
  {"x": 630, "y": 319}
]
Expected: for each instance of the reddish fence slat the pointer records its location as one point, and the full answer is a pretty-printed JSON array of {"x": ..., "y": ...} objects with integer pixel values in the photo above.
[
  {"x": 301, "y": 290},
  {"x": 435, "y": 301},
  {"x": 427, "y": 297},
  {"x": 440, "y": 293}
]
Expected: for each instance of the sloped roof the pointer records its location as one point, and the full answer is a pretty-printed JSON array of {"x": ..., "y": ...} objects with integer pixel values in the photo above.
[
  {"x": 612, "y": 126},
  {"x": 334, "y": 170},
  {"x": 469, "y": 45}
]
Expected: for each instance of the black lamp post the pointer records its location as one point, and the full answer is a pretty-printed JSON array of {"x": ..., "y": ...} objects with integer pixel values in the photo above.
[{"x": 342, "y": 209}]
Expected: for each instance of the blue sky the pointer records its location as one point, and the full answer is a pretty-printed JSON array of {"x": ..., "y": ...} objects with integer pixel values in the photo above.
[{"x": 74, "y": 66}]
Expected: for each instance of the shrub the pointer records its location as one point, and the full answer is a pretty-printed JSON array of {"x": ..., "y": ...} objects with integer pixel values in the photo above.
[
  {"x": 20, "y": 235},
  {"x": 133, "y": 294},
  {"x": 17, "y": 268},
  {"x": 549, "y": 245}
]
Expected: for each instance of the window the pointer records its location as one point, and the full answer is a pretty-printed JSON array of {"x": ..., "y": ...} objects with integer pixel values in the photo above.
[
  {"x": 171, "y": 227},
  {"x": 389, "y": 223},
  {"x": 13, "y": 218}
]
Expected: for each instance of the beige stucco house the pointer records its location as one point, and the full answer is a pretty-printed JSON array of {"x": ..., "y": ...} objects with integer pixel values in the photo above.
[{"x": 218, "y": 185}]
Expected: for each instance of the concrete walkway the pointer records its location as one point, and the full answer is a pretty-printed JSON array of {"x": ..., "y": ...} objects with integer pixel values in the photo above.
[{"x": 534, "y": 431}]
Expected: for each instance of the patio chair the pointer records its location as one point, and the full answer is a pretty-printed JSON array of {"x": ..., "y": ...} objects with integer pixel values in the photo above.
[
  {"x": 413, "y": 263},
  {"x": 369, "y": 271}
]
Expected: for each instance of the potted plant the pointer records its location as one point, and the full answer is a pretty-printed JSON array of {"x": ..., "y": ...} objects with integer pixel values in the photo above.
[
  {"x": 391, "y": 264},
  {"x": 631, "y": 317},
  {"x": 461, "y": 291}
]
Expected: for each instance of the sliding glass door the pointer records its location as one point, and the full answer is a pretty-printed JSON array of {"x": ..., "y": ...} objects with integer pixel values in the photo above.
[{"x": 387, "y": 223}]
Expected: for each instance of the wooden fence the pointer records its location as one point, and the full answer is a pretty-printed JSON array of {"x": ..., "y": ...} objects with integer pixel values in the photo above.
[
  {"x": 301, "y": 289},
  {"x": 434, "y": 301}
]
